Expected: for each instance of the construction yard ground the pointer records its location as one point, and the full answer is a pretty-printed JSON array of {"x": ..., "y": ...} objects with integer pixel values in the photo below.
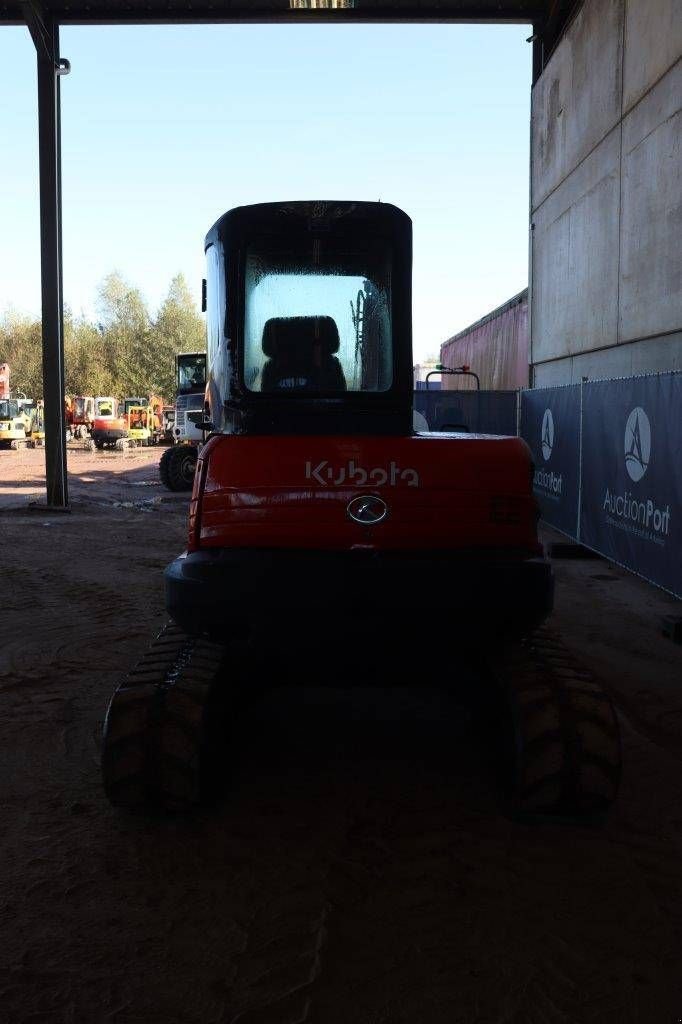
[{"x": 357, "y": 867}]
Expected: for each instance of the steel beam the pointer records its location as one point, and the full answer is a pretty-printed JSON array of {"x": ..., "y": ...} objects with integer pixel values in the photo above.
[
  {"x": 45, "y": 34},
  {"x": 131, "y": 12}
]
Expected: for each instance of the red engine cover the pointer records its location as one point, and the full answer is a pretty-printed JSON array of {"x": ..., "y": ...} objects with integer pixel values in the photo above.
[
  {"x": 440, "y": 491},
  {"x": 110, "y": 423}
]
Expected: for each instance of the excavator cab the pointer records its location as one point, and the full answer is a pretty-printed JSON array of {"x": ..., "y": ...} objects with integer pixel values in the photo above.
[
  {"x": 309, "y": 319},
  {"x": 312, "y": 480}
]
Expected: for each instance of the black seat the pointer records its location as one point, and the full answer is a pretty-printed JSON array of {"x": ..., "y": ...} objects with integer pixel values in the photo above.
[{"x": 300, "y": 351}]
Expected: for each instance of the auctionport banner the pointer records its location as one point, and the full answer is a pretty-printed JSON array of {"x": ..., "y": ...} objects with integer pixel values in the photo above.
[
  {"x": 550, "y": 425},
  {"x": 631, "y": 509}
]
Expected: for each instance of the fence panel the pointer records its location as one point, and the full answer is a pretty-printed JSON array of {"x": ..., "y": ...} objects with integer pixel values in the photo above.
[
  {"x": 550, "y": 425},
  {"x": 478, "y": 412},
  {"x": 631, "y": 509}
]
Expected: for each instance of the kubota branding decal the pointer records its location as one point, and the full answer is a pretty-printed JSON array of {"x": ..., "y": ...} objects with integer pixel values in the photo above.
[{"x": 328, "y": 475}]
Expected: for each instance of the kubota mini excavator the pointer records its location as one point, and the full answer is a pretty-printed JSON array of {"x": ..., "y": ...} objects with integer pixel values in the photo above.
[{"x": 316, "y": 505}]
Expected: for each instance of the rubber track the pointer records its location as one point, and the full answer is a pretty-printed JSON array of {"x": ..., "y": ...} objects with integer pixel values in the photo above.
[
  {"x": 155, "y": 727},
  {"x": 566, "y": 736}
]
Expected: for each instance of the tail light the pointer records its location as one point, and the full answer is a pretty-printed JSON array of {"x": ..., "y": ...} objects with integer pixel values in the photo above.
[{"x": 194, "y": 536}]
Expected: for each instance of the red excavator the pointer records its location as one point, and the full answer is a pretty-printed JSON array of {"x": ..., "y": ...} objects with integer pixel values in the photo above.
[{"x": 317, "y": 511}]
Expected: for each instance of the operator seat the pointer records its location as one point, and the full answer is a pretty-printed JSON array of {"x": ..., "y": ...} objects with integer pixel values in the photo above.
[{"x": 300, "y": 351}]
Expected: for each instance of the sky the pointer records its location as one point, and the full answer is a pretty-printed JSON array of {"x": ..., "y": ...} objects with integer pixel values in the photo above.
[{"x": 165, "y": 128}]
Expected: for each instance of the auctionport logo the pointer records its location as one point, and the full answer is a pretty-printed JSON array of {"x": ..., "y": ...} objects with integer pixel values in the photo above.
[
  {"x": 547, "y": 434},
  {"x": 637, "y": 443},
  {"x": 547, "y": 481},
  {"x": 633, "y": 513}
]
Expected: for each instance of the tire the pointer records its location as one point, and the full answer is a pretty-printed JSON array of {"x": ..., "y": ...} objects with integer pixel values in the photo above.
[
  {"x": 121, "y": 444},
  {"x": 176, "y": 467},
  {"x": 15, "y": 445},
  {"x": 561, "y": 744}
]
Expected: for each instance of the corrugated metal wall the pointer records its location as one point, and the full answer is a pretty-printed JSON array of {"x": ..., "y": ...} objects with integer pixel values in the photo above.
[{"x": 495, "y": 347}]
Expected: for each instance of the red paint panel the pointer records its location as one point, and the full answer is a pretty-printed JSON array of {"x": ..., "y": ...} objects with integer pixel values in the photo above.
[{"x": 441, "y": 491}]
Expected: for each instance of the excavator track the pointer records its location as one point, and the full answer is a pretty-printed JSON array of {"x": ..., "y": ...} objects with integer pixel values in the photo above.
[
  {"x": 563, "y": 737},
  {"x": 559, "y": 737},
  {"x": 155, "y": 739}
]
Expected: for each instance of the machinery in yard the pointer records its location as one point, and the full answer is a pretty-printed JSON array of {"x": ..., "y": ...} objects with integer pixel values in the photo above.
[
  {"x": 143, "y": 426},
  {"x": 177, "y": 464},
  {"x": 15, "y": 423},
  {"x": 168, "y": 423},
  {"x": 319, "y": 516},
  {"x": 108, "y": 432},
  {"x": 136, "y": 422},
  {"x": 82, "y": 416},
  {"x": 15, "y": 413},
  {"x": 37, "y": 438}
]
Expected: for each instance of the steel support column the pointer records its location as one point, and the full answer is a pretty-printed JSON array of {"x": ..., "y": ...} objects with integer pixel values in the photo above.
[{"x": 45, "y": 34}]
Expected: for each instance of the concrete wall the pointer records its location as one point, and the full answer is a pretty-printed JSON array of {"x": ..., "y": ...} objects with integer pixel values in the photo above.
[
  {"x": 495, "y": 347},
  {"x": 606, "y": 195}
]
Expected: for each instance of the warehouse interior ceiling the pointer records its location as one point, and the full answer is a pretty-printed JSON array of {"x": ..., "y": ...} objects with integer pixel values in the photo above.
[{"x": 548, "y": 17}]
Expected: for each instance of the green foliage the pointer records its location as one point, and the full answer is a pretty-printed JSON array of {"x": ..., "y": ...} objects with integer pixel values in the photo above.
[
  {"x": 125, "y": 353},
  {"x": 20, "y": 347}
]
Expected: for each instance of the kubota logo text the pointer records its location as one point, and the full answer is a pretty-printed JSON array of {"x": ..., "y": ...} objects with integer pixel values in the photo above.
[{"x": 327, "y": 475}]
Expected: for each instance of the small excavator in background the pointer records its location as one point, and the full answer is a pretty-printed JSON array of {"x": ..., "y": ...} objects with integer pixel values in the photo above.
[
  {"x": 83, "y": 413},
  {"x": 15, "y": 424},
  {"x": 322, "y": 522},
  {"x": 15, "y": 413},
  {"x": 138, "y": 423},
  {"x": 37, "y": 438}
]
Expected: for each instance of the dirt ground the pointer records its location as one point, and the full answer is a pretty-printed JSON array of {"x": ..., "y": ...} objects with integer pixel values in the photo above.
[{"x": 358, "y": 869}]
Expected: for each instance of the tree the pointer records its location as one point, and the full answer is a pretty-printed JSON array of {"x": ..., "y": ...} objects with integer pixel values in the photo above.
[
  {"x": 88, "y": 368},
  {"x": 178, "y": 328},
  {"x": 21, "y": 348},
  {"x": 126, "y": 328},
  {"x": 124, "y": 354}
]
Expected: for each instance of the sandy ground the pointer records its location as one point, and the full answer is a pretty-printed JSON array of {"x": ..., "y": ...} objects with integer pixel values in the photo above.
[{"x": 358, "y": 869}]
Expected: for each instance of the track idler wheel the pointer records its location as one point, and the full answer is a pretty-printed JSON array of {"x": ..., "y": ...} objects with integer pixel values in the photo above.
[
  {"x": 155, "y": 742},
  {"x": 562, "y": 735}
]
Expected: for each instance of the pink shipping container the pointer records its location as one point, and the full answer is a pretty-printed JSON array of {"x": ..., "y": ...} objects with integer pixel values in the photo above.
[{"x": 495, "y": 347}]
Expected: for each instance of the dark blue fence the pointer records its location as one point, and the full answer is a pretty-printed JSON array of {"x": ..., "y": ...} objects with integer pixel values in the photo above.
[
  {"x": 477, "y": 412},
  {"x": 608, "y": 458},
  {"x": 550, "y": 424}
]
